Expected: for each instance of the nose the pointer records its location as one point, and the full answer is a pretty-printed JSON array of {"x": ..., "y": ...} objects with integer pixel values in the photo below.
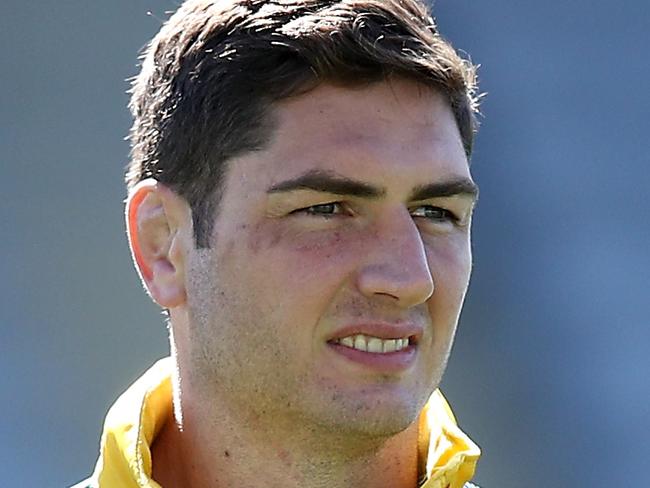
[{"x": 396, "y": 263}]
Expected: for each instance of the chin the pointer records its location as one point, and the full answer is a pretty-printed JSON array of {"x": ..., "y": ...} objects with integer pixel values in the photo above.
[
  {"x": 384, "y": 427},
  {"x": 372, "y": 416},
  {"x": 375, "y": 427}
]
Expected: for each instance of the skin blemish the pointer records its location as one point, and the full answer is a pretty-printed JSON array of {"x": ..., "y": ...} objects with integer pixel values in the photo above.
[
  {"x": 274, "y": 237},
  {"x": 226, "y": 453},
  {"x": 254, "y": 242},
  {"x": 285, "y": 457},
  {"x": 265, "y": 235}
]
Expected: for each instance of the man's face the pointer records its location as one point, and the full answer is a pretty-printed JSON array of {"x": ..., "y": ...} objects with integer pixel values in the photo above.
[{"x": 350, "y": 231}]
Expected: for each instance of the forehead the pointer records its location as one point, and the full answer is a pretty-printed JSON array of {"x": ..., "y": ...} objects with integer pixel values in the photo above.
[{"x": 387, "y": 132}]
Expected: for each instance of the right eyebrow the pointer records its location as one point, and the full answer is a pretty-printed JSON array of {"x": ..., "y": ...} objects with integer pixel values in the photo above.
[{"x": 328, "y": 182}]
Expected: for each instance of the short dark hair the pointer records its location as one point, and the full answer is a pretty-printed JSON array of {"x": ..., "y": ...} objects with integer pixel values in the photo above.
[{"x": 211, "y": 74}]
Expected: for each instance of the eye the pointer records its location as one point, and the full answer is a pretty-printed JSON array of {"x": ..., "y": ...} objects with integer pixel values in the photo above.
[
  {"x": 323, "y": 209},
  {"x": 436, "y": 214}
]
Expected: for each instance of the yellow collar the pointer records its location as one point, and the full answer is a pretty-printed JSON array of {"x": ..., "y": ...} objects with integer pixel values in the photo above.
[{"x": 447, "y": 455}]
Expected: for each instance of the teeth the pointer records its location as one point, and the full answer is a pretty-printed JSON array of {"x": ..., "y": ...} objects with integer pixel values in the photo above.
[
  {"x": 360, "y": 343},
  {"x": 347, "y": 341},
  {"x": 391, "y": 345},
  {"x": 374, "y": 344}
]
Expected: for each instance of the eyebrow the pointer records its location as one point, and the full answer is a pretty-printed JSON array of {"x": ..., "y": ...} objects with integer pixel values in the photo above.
[
  {"x": 330, "y": 182},
  {"x": 463, "y": 187}
]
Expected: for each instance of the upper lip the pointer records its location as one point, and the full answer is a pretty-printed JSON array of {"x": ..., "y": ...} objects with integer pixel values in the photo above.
[{"x": 382, "y": 330}]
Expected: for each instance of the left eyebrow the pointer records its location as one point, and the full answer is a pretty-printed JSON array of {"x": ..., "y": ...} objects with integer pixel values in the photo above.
[{"x": 463, "y": 187}]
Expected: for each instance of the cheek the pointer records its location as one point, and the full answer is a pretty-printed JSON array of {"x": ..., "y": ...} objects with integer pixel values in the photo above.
[
  {"x": 302, "y": 253},
  {"x": 302, "y": 270},
  {"x": 450, "y": 262}
]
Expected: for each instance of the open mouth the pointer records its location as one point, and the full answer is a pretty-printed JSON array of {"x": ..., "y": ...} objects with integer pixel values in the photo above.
[{"x": 367, "y": 343}]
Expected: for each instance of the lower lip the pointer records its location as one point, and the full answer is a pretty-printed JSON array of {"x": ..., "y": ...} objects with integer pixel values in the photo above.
[{"x": 390, "y": 362}]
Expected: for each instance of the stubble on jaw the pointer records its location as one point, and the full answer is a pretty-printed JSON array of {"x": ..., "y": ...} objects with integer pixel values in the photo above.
[{"x": 226, "y": 385}]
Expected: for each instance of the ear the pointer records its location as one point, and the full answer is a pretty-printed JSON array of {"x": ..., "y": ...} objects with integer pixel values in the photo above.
[{"x": 159, "y": 228}]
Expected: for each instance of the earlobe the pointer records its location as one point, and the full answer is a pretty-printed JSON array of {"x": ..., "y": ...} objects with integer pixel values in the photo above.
[{"x": 157, "y": 220}]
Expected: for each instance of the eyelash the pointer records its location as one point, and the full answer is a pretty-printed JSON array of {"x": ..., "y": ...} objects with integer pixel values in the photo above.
[
  {"x": 447, "y": 215},
  {"x": 312, "y": 210}
]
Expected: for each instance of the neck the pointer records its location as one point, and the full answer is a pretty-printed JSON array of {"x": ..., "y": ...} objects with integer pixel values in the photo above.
[{"x": 207, "y": 444}]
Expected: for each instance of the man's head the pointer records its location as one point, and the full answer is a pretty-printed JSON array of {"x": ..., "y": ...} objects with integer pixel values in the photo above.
[
  {"x": 211, "y": 75},
  {"x": 326, "y": 289}
]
